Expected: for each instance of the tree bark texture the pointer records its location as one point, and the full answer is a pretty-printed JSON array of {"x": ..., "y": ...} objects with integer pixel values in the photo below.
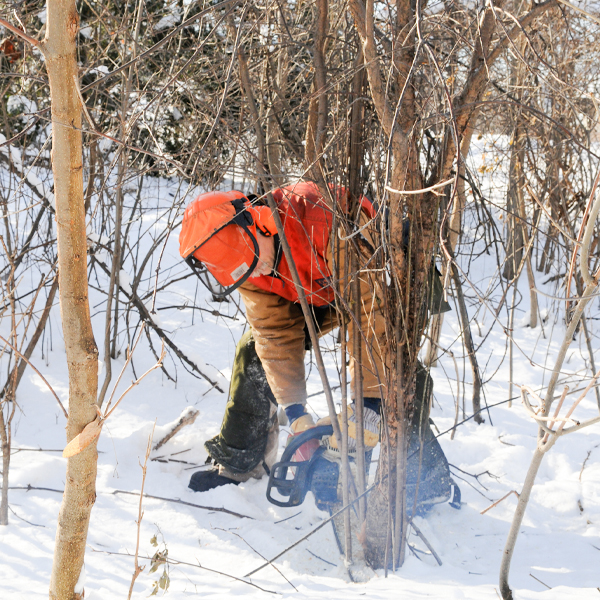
[
  {"x": 82, "y": 355},
  {"x": 317, "y": 110},
  {"x": 410, "y": 262},
  {"x": 5, "y": 438},
  {"x": 469, "y": 345}
]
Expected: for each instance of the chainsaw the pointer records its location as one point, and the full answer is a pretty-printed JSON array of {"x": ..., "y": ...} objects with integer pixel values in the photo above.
[{"x": 291, "y": 479}]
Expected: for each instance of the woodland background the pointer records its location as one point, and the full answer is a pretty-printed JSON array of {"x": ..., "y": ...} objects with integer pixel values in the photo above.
[{"x": 477, "y": 122}]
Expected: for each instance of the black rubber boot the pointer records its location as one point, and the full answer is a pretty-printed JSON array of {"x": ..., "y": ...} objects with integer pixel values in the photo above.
[{"x": 202, "y": 481}]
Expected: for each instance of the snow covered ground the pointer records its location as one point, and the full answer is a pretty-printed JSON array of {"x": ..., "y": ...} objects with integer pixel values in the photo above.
[{"x": 559, "y": 547}]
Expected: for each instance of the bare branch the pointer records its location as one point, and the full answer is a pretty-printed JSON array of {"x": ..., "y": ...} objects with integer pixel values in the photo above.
[
  {"x": 37, "y": 372},
  {"x": 20, "y": 33}
]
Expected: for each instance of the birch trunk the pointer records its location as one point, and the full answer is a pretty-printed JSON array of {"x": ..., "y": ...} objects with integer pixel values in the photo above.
[{"x": 59, "y": 48}]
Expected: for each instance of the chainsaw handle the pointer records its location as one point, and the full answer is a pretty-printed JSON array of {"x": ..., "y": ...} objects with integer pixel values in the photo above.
[
  {"x": 295, "y": 489},
  {"x": 301, "y": 438}
]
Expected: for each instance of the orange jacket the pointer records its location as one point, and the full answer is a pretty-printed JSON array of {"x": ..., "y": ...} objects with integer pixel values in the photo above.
[
  {"x": 272, "y": 306},
  {"x": 307, "y": 222}
]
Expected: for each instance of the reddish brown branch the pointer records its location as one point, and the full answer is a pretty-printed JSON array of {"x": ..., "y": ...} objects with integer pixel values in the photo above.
[
  {"x": 20, "y": 33},
  {"x": 498, "y": 501}
]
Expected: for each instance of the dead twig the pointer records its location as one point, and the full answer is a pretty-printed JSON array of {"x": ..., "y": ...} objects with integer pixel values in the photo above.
[
  {"x": 173, "y": 561},
  {"x": 540, "y": 581},
  {"x": 471, "y": 485},
  {"x": 257, "y": 552},
  {"x": 415, "y": 551},
  {"x": 27, "y": 488},
  {"x": 502, "y": 442},
  {"x": 22, "y": 519},
  {"x": 286, "y": 519},
  {"x": 92, "y": 430},
  {"x": 325, "y": 561},
  {"x": 176, "y": 501},
  {"x": 310, "y": 533},
  {"x": 146, "y": 316},
  {"x": 38, "y": 373},
  {"x": 457, "y": 408},
  {"x": 163, "y": 353},
  {"x": 137, "y": 569},
  {"x": 586, "y": 459},
  {"x": 17, "y": 450},
  {"x": 424, "y": 540},
  {"x": 187, "y": 418},
  {"x": 476, "y": 477},
  {"x": 498, "y": 501},
  {"x": 165, "y": 460}
]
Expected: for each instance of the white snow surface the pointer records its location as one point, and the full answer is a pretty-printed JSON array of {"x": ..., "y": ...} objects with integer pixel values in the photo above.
[
  {"x": 559, "y": 542},
  {"x": 169, "y": 20}
]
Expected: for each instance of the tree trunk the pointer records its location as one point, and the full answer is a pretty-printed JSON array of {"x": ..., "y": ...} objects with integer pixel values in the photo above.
[
  {"x": 453, "y": 237},
  {"x": 7, "y": 400},
  {"x": 514, "y": 251},
  {"x": 317, "y": 110},
  {"x": 410, "y": 259},
  {"x": 469, "y": 345},
  {"x": 5, "y": 438},
  {"x": 82, "y": 355}
]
